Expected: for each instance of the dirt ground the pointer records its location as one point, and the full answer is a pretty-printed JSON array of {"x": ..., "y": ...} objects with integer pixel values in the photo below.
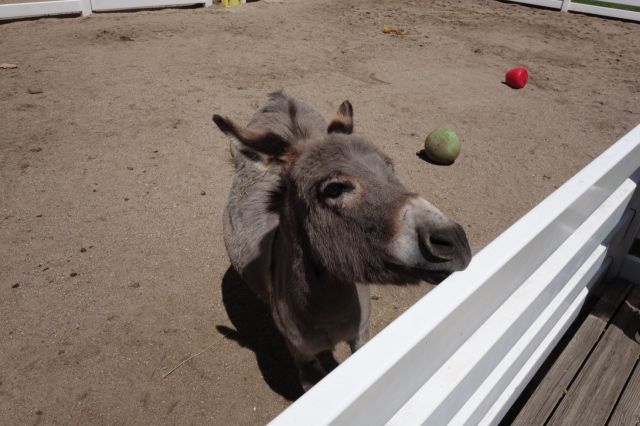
[{"x": 113, "y": 178}]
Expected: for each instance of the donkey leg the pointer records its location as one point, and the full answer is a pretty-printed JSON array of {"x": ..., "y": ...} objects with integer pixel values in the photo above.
[
  {"x": 310, "y": 373},
  {"x": 310, "y": 369},
  {"x": 327, "y": 360}
]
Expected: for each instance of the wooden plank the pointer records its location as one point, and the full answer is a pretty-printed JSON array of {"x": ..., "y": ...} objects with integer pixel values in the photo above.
[
  {"x": 592, "y": 396},
  {"x": 549, "y": 385},
  {"x": 627, "y": 411}
]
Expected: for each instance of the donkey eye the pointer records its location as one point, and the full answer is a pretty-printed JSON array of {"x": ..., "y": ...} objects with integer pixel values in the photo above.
[
  {"x": 251, "y": 155},
  {"x": 336, "y": 189}
]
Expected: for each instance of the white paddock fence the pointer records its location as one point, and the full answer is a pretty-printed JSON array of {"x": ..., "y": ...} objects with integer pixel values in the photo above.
[
  {"x": 85, "y": 7},
  {"x": 463, "y": 353},
  {"x": 571, "y": 6}
]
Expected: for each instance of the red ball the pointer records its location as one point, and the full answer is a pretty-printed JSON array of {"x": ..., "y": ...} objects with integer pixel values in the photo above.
[{"x": 517, "y": 78}]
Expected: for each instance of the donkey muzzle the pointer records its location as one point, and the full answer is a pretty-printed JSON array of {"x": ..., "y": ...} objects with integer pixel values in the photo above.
[{"x": 428, "y": 240}]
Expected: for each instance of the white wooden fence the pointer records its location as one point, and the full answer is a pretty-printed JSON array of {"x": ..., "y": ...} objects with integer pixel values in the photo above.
[
  {"x": 465, "y": 351},
  {"x": 85, "y": 7},
  {"x": 571, "y": 6}
]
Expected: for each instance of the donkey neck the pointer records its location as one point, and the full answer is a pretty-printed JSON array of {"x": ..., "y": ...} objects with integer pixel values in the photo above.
[{"x": 309, "y": 288}]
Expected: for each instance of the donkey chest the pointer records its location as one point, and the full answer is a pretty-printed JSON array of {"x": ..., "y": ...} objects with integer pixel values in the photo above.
[{"x": 320, "y": 321}]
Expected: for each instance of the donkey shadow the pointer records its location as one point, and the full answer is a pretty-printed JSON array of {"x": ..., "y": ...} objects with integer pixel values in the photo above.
[{"x": 255, "y": 329}]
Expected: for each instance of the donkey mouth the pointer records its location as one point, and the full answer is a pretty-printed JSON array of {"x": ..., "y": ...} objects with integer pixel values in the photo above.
[
  {"x": 408, "y": 274},
  {"x": 434, "y": 277}
]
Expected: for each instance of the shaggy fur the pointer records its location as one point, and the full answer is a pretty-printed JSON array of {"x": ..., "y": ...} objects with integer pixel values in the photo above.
[{"x": 314, "y": 214}]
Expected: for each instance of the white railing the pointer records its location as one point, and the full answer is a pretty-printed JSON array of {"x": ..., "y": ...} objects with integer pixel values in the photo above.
[
  {"x": 84, "y": 7},
  {"x": 108, "y": 5},
  {"x": 571, "y": 6},
  {"x": 87, "y": 7},
  {"x": 464, "y": 352}
]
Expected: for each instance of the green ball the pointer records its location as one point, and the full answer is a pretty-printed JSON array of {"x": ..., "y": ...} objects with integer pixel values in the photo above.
[{"x": 442, "y": 146}]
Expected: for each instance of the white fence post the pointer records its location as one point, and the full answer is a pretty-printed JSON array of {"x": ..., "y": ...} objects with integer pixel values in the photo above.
[
  {"x": 85, "y": 6},
  {"x": 630, "y": 229},
  {"x": 208, "y": 3},
  {"x": 602, "y": 9}
]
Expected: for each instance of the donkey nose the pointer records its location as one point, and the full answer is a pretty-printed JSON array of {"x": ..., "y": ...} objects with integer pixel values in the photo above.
[
  {"x": 446, "y": 243},
  {"x": 426, "y": 239}
]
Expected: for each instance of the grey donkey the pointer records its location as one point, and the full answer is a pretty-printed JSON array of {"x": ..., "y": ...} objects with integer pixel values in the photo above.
[{"x": 314, "y": 214}]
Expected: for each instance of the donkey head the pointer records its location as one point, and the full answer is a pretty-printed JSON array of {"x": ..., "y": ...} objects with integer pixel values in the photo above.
[{"x": 347, "y": 214}]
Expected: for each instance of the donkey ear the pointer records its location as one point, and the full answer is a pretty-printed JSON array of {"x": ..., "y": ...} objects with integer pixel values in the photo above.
[
  {"x": 261, "y": 141},
  {"x": 343, "y": 121}
]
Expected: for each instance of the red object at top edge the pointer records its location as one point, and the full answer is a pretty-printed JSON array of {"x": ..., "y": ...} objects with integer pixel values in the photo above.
[{"x": 517, "y": 78}]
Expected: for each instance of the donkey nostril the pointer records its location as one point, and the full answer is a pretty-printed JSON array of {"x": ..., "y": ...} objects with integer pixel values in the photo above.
[
  {"x": 440, "y": 241},
  {"x": 435, "y": 249}
]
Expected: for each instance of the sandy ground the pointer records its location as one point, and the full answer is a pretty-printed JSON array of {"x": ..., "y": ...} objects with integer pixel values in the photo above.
[{"x": 113, "y": 178}]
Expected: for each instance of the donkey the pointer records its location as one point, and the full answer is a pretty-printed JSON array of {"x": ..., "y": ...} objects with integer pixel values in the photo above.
[{"x": 314, "y": 214}]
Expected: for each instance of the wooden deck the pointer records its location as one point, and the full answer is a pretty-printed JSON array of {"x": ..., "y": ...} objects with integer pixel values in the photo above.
[{"x": 593, "y": 376}]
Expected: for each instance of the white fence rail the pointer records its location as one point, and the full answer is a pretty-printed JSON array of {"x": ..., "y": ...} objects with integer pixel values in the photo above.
[
  {"x": 464, "y": 352},
  {"x": 85, "y": 7},
  {"x": 570, "y": 6},
  {"x": 44, "y": 8},
  {"x": 108, "y": 5}
]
